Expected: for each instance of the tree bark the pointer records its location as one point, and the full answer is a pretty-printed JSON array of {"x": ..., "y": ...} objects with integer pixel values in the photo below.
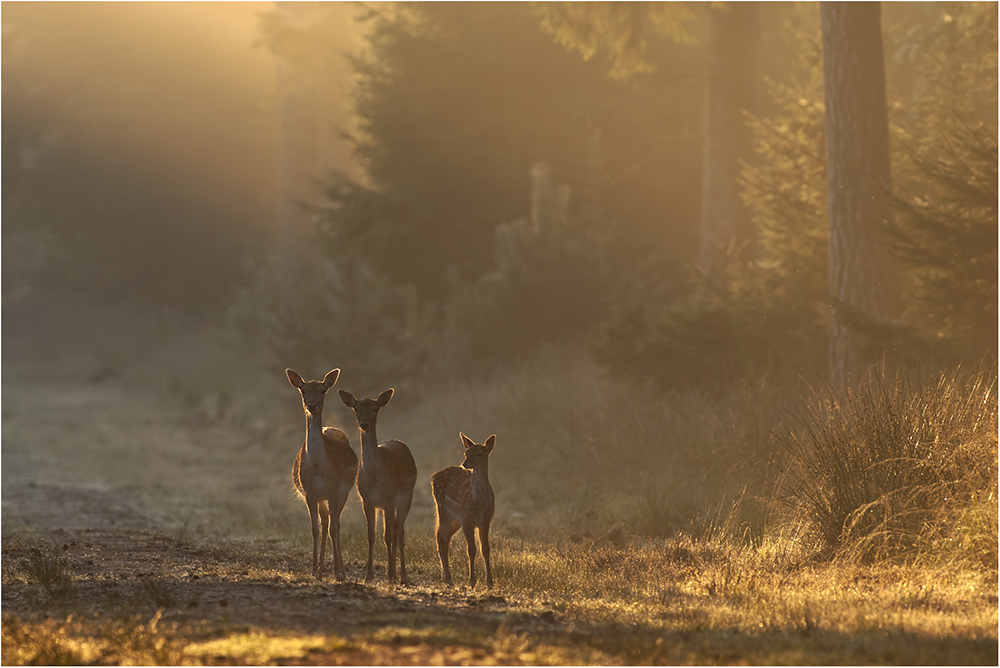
[
  {"x": 858, "y": 178},
  {"x": 733, "y": 63}
]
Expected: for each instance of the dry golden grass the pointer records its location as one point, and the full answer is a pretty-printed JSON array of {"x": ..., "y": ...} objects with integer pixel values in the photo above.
[{"x": 602, "y": 602}]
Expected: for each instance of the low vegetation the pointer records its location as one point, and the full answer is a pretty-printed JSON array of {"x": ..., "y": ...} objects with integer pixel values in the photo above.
[
  {"x": 606, "y": 601},
  {"x": 632, "y": 527},
  {"x": 891, "y": 468}
]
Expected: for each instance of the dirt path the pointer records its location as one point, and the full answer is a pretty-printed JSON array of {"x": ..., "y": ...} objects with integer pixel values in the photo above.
[
  {"x": 123, "y": 572},
  {"x": 120, "y": 502},
  {"x": 106, "y": 496},
  {"x": 51, "y": 479}
]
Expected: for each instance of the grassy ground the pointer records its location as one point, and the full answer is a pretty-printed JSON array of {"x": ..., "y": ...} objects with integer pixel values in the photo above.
[
  {"x": 159, "y": 600},
  {"x": 148, "y": 519}
]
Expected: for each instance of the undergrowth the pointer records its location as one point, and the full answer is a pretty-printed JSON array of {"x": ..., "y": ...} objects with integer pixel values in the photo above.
[
  {"x": 900, "y": 466},
  {"x": 897, "y": 466}
]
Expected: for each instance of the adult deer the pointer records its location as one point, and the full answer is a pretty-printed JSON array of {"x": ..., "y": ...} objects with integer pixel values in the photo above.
[
  {"x": 463, "y": 497},
  {"x": 324, "y": 471},
  {"x": 385, "y": 483}
]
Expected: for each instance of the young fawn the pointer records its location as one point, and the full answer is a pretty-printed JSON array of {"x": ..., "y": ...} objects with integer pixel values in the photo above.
[
  {"x": 324, "y": 471},
  {"x": 385, "y": 482},
  {"x": 464, "y": 499}
]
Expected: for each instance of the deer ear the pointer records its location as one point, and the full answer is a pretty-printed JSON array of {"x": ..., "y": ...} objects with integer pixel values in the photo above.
[
  {"x": 384, "y": 398},
  {"x": 347, "y": 398},
  {"x": 490, "y": 442},
  {"x": 466, "y": 441},
  {"x": 331, "y": 379},
  {"x": 294, "y": 378}
]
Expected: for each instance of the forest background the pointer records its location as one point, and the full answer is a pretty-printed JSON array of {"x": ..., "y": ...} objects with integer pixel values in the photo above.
[{"x": 499, "y": 209}]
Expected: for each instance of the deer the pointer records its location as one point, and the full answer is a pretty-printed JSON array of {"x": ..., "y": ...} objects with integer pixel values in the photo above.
[
  {"x": 463, "y": 498},
  {"x": 385, "y": 483},
  {"x": 324, "y": 471}
]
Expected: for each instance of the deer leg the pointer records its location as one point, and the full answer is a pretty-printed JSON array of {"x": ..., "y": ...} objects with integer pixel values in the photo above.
[
  {"x": 389, "y": 533},
  {"x": 324, "y": 531},
  {"x": 314, "y": 523},
  {"x": 338, "y": 560},
  {"x": 370, "y": 511},
  {"x": 442, "y": 540},
  {"x": 484, "y": 540},
  {"x": 341, "y": 569},
  {"x": 402, "y": 510},
  {"x": 401, "y": 546},
  {"x": 444, "y": 534},
  {"x": 470, "y": 538}
]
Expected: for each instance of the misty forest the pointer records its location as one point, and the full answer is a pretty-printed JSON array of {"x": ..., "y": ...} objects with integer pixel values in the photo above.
[{"x": 690, "y": 310}]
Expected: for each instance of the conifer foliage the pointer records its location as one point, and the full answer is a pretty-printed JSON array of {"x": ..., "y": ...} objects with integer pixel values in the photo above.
[
  {"x": 945, "y": 229},
  {"x": 773, "y": 314},
  {"x": 455, "y": 103}
]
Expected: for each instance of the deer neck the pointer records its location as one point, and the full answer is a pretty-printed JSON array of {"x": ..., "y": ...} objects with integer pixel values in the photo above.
[
  {"x": 314, "y": 434},
  {"x": 481, "y": 479},
  {"x": 369, "y": 446}
]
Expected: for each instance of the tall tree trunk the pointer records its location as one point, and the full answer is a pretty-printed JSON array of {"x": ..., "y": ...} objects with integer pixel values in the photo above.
[
  {"x": 734, "y": 37},
  {"x": 858, "y": 178}
]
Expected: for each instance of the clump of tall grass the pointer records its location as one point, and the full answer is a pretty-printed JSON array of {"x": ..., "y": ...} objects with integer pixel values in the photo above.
[
  {"x": 896, "y": 466},
  {"x": 49, "y": 572}
]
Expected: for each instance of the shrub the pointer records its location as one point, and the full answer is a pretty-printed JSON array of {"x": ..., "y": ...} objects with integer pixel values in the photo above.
[{"x": 892, "y": 466}]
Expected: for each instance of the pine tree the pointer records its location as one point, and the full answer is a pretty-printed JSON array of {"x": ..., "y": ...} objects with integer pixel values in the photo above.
[{"x": 863, "y": 283}]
